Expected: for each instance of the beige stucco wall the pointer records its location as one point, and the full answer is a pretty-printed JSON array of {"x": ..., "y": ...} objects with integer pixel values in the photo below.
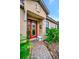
[
  {"x": 22, "y": 23},
  {"x": 52, "y": 25},
  {"x": 40, "y": 29},
  {"x": 31, "y": 6},
  {"x": 44, "y": 27}
]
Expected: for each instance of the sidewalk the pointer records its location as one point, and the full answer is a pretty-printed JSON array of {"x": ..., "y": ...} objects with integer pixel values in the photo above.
[{"x": 39, "y": 51}]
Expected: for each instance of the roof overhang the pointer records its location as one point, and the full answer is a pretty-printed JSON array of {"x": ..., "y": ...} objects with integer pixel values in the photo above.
[{"x": 52, "y": 20}]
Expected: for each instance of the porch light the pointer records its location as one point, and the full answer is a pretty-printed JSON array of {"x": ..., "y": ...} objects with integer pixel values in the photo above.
[{"x": 40, "y": 26}]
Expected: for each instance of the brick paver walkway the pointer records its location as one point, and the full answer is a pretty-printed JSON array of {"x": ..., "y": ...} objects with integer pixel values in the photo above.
[{"x": 39, "y": 51}]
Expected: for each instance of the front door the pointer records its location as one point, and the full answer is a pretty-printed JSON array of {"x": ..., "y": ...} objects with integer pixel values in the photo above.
[{"x": 32, "y": 28}]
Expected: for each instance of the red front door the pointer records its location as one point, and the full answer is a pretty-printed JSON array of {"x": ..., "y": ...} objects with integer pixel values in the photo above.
[{"x": 32, "y": 28}]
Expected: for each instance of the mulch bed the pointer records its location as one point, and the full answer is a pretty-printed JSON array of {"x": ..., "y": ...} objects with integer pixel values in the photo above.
[{"x": 53, "y": 49}]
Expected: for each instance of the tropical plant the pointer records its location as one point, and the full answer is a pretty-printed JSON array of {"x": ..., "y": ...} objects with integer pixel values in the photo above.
[
  {"x": 52, "y": 35},
  {"x": 25, "y": 48}
]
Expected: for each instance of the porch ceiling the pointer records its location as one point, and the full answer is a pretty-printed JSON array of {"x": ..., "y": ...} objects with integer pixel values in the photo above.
[{"x": 29, "y": 13}]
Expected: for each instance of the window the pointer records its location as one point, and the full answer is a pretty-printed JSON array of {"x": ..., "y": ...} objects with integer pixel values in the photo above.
[
  {"x": 33, "y": 28},
  {"x": 47, "y": 26}
]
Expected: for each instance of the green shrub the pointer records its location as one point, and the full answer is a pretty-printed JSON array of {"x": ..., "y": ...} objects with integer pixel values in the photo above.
[
  {"x": 52, "y": 35},
  {"x": 25, "y": 48},
  {"x": 22, "y": 37}
]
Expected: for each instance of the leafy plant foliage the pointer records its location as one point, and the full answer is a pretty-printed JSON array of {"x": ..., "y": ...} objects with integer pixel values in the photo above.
[
  {"x": 52, "y": 35},
  {"x": 25, "y": 48}
]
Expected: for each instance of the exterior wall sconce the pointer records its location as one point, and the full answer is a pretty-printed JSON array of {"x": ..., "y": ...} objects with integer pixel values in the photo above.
[{"x": 40, "y": 27}]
